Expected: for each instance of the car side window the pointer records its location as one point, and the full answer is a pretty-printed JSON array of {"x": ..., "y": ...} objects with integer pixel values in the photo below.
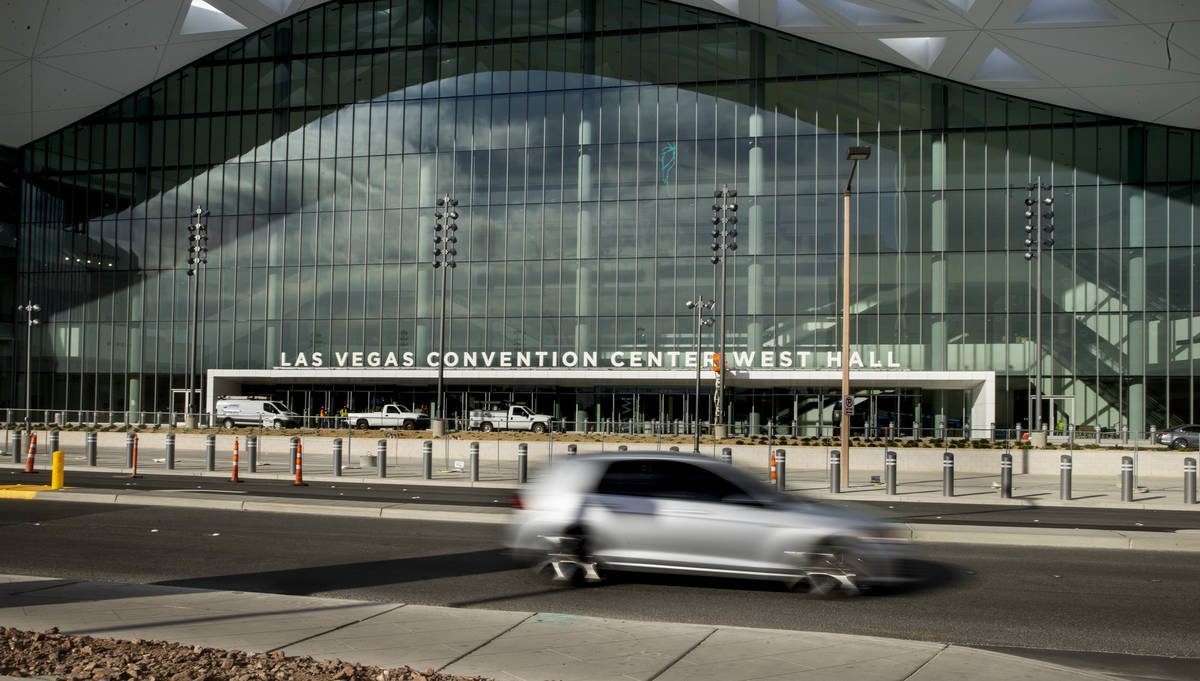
[
  {"x": 665, "y": 480},
  {"x": 1192, "y": 429},
  {"x": 269, "y": 408}
]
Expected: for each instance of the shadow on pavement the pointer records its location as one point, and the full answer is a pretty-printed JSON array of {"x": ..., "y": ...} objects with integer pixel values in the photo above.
[{"x": 345, "y": 576}]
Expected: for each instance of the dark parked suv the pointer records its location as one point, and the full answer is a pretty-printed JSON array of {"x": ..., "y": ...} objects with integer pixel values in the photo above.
[{"x": 1183, "y": 437}]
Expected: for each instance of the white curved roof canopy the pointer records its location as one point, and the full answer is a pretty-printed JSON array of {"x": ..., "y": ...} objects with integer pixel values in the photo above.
[{"x": 61, "y": 60}]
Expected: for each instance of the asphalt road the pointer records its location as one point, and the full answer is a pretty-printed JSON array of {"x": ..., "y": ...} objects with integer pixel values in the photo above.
[
  {"x": 900, "y": 511},
  {"x": 1072, "y": 605}
]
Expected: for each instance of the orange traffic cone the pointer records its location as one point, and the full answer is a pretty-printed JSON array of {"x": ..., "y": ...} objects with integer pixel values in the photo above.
[
  {"x": 234, "y": 477},
  {"x": 299, "y": 468},
  {"x": 32, "y": 453}
]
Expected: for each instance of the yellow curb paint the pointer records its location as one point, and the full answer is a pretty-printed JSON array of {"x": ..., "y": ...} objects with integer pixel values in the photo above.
[{"x": 24, "y": 491}]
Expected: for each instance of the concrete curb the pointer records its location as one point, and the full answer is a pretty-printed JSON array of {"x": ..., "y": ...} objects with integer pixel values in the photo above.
[{"x": 1181, "y": 540}]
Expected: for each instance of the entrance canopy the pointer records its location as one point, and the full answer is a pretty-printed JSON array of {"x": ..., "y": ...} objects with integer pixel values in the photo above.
[{"x": 980, "y": 384}]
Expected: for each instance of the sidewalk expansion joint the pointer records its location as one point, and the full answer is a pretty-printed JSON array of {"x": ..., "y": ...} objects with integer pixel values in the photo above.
[
  {"x": 333, "y": 629},
  {"x": 682, "y": 655},
  {"x": 487, "y": 642},
  {"x": 926, "y": 663}
]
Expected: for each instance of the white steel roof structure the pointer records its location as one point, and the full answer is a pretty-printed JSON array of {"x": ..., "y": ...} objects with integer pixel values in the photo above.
[{"x": 61, "y": 60}]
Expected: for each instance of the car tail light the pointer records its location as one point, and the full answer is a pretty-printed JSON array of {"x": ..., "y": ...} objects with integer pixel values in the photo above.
[{"x": 514, "y": 501}]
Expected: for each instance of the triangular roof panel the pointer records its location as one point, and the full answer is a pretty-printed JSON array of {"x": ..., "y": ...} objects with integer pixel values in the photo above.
[
  {"x": 204, "y": 18},
  {"x": 920, "y": 51},
  {"x": 1063, "y": 12},
  {"x": 865, "y": 16},
  {"x": 794, "y": 14},
  {"x": 1000, "y": 67}
]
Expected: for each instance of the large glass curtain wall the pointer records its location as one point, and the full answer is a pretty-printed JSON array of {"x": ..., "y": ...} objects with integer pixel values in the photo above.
[{"x": 584, "y": 139}]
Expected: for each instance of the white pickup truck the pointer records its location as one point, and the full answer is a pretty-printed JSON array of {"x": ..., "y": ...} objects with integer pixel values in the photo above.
[
  {"x": 390, "y": 416},
  {"x": 515, "y": 418}
]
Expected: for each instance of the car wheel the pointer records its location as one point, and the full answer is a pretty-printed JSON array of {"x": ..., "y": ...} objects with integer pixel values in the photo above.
[
  {"x": 1178, "y": 443},
  {"x": 410, "y": 425},
  {"x": 227, "y": 424},
  {"x": 485, "y": 427},
  {"x": 847, "y": 569},
  {"x": 362, "y": 424},
  {"x": 569, "y": 561},
  {"x": 539, "y": 428},
  {"x": 277, "y": 424}
]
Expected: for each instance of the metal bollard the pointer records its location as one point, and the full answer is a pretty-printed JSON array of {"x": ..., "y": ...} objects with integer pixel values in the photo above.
[
  {"x": 947, "y": 474},
  {"x": 16, "y": 446},
  {"x": 1126, "y": 478},
  {"x": 474, "y": 461},
  {"x": 522, "y": 463},
  {"x": 622, "y": 448},
  {"x": 91, "y": 447},
  {"x": 129, "y": 450},
  {"x": 381, "y": 457},
  {"x": 780, "y": 470},
  {"x": 1189, "y": 480},
  {"x": 572, "y": 450},
  {"x": 57, "y": 465},
  {"x": 292, "y": 444},
  {"x": 427, "y": 460},
  {"x": 210, "y": 453},
  {"x": 54, "y": 441},
  {"x": 727, "y": 455},
  {"x": 1064, "y": 477},
  {"x": 252, "y": 453},
  {"x": 170, "y": 451},
  {"x": 1006, "y": 476},
  {"x": 889, "y": 470},
  {"x": 835, "y": 472},
  {"x": 337, "y": 456},
  {"x": 674, "y": 449}
]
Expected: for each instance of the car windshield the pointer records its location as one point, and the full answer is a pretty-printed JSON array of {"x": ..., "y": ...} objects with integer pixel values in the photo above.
[{"x": 279, "y": 407}]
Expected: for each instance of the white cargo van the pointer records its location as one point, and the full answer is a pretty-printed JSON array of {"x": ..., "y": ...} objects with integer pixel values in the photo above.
[{"x": 252, "y": 410}]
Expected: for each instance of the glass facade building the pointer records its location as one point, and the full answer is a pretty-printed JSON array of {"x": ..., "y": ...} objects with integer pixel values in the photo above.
[{"x": 584, "y": 140}]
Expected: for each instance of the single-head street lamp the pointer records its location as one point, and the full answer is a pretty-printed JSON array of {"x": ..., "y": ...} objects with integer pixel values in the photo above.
[
  {"x": 700, "y": 305},
  {"x": 854, "y": 155},
  {"x": 28, "y": 308}
]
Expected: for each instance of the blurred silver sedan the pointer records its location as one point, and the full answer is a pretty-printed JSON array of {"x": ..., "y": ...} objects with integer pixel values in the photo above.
[{"x": 691, "y": 515}]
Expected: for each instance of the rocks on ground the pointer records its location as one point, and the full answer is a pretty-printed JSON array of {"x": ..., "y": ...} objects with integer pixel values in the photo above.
[{"x": 84, "y": 658}]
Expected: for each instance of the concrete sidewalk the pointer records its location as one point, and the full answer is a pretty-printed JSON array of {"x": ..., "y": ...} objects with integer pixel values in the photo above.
[{"x": 516, "y": 646}]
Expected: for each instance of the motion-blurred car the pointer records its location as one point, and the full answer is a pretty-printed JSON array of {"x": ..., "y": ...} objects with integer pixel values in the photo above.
[
  {"x": 1183, "y": 437},
  {"x": 691, "y": 515}
]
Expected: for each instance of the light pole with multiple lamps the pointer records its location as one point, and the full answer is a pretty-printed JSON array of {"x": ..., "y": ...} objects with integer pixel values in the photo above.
[
  {"x": 197, "y": 251},
  {"x": 29, "y": 308},
  {"x": 724, "y": 233},
  {"x": 700, "y": 305},
  {"x": 1037, "y": 208},
  {"x": 854, "y": 155},
  {"x": 444, "y": 250}
]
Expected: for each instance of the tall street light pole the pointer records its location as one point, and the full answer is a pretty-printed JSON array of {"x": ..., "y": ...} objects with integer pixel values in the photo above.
[
  {"x": 724, "y": 233},
  {"x": 444, "y": 250},
  {"x": 700, "y": 305},
  {"x": 28, "y": 308},
  {"x": 197, "y": 251},
  {"x": 1037, "y": 208},
  {"x": 854, "y": 155}
]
